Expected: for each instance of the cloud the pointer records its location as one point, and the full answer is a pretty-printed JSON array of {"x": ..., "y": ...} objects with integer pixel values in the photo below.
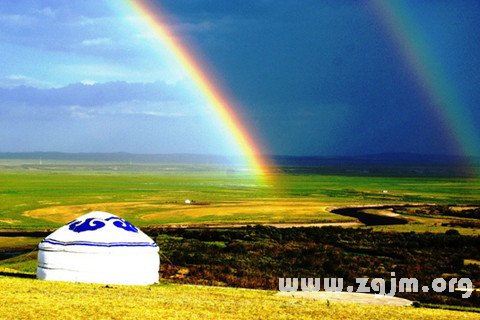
[
  {"x": 59, "y": 26},
  {"x": 83, "y": 101},
  {"x": 132, "y": 108},
  {"x": 97, "y": 42},
  {"x": 16, "y": 80},
  {"x": 82, "y": 21},
  {"x": 81, "y": 112},
  {"x": 109, "y": 117},
  {"x": 152, "y": 70},
  {"x": 47, "y": 12},
  {"x": 88, "y": 82},
  {"x": 96, "y": 70},
  {"x": 16, "y": 20}
]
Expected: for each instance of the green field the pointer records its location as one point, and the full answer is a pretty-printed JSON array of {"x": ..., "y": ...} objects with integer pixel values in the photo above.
[{"x": 41, "y": 198}]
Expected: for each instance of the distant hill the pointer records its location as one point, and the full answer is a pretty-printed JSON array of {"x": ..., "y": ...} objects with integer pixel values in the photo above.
[
  {"x": 121, "y": 157},
  {"x": 383, "y": 159}
]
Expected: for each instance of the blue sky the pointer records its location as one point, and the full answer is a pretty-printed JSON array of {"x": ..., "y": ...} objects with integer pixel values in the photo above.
[{"x": 311, "y": 77}]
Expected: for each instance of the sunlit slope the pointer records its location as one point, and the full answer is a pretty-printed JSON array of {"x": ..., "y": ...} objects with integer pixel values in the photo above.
[{"x": 34, "y": 299}]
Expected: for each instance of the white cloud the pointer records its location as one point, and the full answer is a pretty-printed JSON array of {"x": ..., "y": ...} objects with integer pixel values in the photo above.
[
  {"x": 130, "y": 108},
  {"x": 81, "y": 112},
  {"x": 84, "y": 21},
  {"x": 15, "y": 80},
  {"x": 114, "y": 100},
  {"x": 105, "y": 72},
  {"x": 88, "y": 82},
  {"x": 97, "y": 42},
  {"x": 157, "y": 114},
  {"x": 47, "y": 12},
  {"x": 163, "y": 109},
  {"x": 17, "y": 20}
]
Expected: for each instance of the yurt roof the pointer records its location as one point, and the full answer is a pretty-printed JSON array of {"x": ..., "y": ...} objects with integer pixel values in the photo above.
[{"x": 97, "y": 231}]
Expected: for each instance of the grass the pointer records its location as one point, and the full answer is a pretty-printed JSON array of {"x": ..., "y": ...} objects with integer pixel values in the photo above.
[
  {"x": 426, "y": 227},
  {"x": 38, "y": 200},
  {"x": 29, "y": 298},
  {"x": 24, "y": 263},
  {"x": 48, "y": 199},
  {"x": 446, "y": 307},
  {"x": 21, "y": 243},
  {"x": 26, "y": 247}
]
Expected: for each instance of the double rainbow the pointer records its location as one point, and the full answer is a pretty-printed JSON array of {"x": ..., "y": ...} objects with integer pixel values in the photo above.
[
  {"x": 439, "y": 93},
  {"x": 254, "y": 157}
]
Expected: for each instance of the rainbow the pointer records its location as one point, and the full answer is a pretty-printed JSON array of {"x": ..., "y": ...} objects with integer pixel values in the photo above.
[
  {"x": 433, "y": 82},
  {"x": 152, "y": 16}
]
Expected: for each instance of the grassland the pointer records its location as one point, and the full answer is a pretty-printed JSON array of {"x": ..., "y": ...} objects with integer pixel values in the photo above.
[
  {"x": 41, "y": 199},
  {"x": 36, "y": 198},
  {"x": 34, "y": 299}
]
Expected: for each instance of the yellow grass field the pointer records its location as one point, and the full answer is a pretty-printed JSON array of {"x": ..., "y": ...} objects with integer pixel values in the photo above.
[
  {"x": 150, "y": 212},
  {"x": 34, "y": 299}
]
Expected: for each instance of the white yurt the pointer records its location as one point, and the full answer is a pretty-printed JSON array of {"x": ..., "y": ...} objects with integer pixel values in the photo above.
[{"x": 99, "y": 247}]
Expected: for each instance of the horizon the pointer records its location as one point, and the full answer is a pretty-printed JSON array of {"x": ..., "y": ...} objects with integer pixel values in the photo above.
[{"x": 239, "y": 155}]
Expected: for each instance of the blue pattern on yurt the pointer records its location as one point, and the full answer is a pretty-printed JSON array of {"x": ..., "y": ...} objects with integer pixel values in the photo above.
[
  {"x": 89, "y": 224},
  {"x": 123, "y": 224},
  {"x": 92, "y": 224}
]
